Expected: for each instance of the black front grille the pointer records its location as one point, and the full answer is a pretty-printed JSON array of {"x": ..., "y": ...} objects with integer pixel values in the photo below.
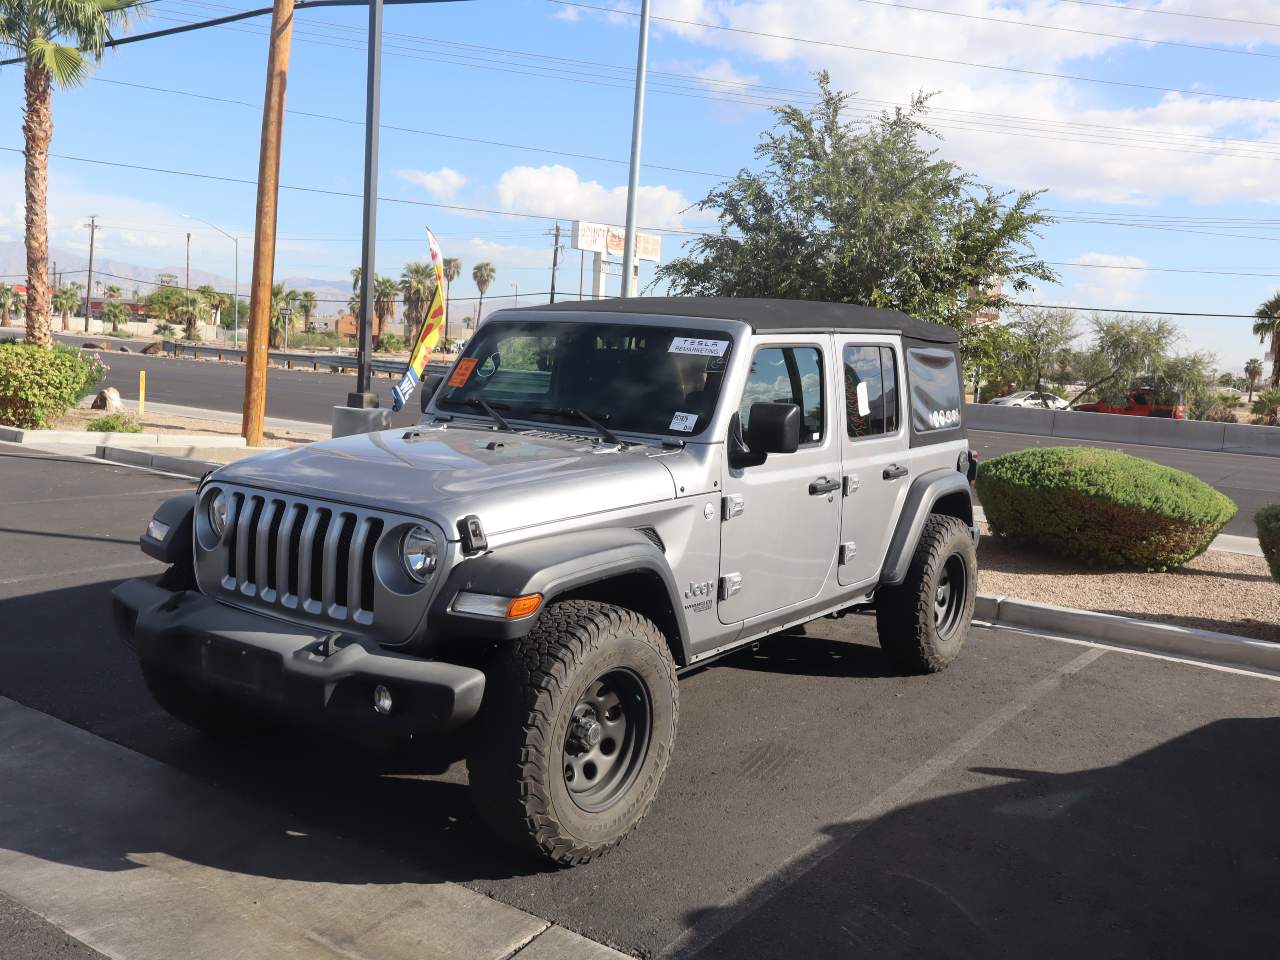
[{"x": 299, "y": 555}]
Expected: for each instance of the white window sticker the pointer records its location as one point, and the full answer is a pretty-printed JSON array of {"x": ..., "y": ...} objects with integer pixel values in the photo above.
[
  {"x": 698, "y": 346},
  {"x": 683, "y": 422},
  {"x": 864, "y": 405}
]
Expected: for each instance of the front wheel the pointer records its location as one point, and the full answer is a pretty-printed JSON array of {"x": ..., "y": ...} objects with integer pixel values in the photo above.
[
  {"x": 923, "y": 622},
  {"x": 579, "y": 725}
]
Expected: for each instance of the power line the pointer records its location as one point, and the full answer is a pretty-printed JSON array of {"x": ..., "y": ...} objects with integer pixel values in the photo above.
[
  {"x": 919, "y": 56},
  {"x": 1131, "y": 8},
  {"x": 1076, "y": 30},
  {"x": 1150, "y": 313},
  {"x": 1146, "y": 269}
]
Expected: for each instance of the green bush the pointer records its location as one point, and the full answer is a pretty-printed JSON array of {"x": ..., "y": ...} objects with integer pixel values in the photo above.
[
  {"x": 1102, "y": 507},
  {"x": 39, "y": 384},
  {"x": 96, "y": 368},
  {"x": 116, "y": 423},
  {"x": 1268, "y": 521},
  {"x": 390, "y": 343}
]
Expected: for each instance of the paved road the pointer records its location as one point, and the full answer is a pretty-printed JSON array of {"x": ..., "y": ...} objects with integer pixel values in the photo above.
[{"x": 1040, "y": 798}]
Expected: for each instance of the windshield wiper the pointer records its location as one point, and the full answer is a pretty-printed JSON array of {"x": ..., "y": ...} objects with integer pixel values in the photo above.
[
  {"x": 491, "y": 410},
  {"x": 585, "y": 417}
]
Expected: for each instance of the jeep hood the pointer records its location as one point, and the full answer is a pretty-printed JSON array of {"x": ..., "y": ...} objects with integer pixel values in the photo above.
[{"x": 509, "y": 480}]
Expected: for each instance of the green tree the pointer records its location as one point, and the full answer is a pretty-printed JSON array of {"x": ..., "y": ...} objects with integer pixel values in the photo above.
[
  {"x": 1047, "y": 337},
  {"x": 992, "y": 353},
  {"x": 191, "y": 310},
  {"x": 417, "y": 287},
  {"x": 8, "y": 300},
  {"x": 1189, "y": 379},
  {"x": 1266, "y": 408},
  {"x": 214, "y": 300},
  {"x": 862, "y": 212},
  {"x": 58, "y": 40},
  {"x": 1267, "y": 328},
  {"x": 482, "y": 275},
  {"x": 386, "y": 294},
  {"x": 1252, "y": 374},
  {"x": 452, "y": 270},
  {"x": 113, "y": 292},
  {"x": 1122, "y": 350},
  {"x": 65, "y": 301},
  {"x": 281, "y": 299},
  {"x": 163, "y": 303},
  {"x": 115, "y": 313},
  {"x": 307, "y": 307}
]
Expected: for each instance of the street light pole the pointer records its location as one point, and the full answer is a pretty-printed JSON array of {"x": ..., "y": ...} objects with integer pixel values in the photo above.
[
  {"x": 516, "y": 287},
  {"x": 235, "y": 294},
  {"x": 363, "y": 397},
  {"x": 637, "y": 128}
]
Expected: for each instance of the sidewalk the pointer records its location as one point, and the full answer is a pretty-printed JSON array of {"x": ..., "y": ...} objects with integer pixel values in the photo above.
[{"x": 142, "y": 862}]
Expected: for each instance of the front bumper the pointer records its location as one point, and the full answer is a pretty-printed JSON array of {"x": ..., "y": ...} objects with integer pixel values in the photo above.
[{"x": 291, "y": 669}]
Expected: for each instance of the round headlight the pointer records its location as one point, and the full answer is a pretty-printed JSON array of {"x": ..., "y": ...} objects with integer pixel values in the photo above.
[
  {"x": 419, "y": 553},
  {"x": 219, "y": 506}
]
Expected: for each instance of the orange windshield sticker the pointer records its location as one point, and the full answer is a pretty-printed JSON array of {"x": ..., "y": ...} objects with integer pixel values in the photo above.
[{"x": 462, "y": 371}]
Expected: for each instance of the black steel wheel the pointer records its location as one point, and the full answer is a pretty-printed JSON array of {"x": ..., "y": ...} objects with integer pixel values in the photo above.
[
  {"x": 607, "y": 740},
  {"x": 923, "y": 622},
  {"x": 576, "y": 731}
]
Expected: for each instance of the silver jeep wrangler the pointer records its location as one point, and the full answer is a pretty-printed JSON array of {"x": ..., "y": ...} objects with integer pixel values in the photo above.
[{"x": 598, "y": 497}]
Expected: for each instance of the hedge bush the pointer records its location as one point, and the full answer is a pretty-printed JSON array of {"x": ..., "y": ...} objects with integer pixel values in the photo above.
[
  {"x": 1102, "y": 507},
  {"x": 39, "y": 384},
  {"x": 1268, "y": 521}
]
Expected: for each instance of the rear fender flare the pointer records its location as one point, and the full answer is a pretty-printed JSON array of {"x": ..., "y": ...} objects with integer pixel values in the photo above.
[{"x": 927, "y": 490}]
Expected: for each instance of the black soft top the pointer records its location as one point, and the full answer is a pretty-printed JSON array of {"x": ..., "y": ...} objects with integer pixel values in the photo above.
[{"x": 767, "y": 316}]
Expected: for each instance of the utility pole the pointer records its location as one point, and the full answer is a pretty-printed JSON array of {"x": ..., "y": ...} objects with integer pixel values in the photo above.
[
  {"x": 88, "y": 287},
  {"x": 516, "y": 287},
  {"x": 582, "y": 272},
  {"x": 555, "y": 262},
  {"x": 363, "y": 397},
  {"x": 264, "y": 229},
  {"x": 637, "y": 128}
]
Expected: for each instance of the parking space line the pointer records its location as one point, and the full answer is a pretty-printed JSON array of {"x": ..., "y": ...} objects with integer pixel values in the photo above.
[
  {"x": 695, "y": 939},
  {"x": 103, "y": 496},
  {"x": 56, "y": 574}
]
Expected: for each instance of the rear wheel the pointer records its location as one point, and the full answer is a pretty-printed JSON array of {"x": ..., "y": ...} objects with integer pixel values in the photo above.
[
  {"x": 923, "y": 622},
  {"x": 579, "y": 724},
  {"x": 206, "y": 710}
]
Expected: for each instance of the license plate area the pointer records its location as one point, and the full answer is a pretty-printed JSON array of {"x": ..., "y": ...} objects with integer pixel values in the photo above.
[{"x": 242, "y": 667}]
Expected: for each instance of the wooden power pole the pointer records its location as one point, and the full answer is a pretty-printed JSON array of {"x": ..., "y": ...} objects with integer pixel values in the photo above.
[{"x": 264, "y": 231}]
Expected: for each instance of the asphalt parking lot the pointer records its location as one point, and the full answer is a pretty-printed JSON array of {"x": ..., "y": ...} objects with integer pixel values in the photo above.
[{"x": 1041, "y": 797}]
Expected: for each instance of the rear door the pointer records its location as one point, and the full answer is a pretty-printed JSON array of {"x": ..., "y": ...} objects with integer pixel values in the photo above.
[{"x": 873, "y": 448}]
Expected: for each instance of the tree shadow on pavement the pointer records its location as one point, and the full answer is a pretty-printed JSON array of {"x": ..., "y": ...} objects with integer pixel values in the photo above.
[{"x": 1172, "y": 853}]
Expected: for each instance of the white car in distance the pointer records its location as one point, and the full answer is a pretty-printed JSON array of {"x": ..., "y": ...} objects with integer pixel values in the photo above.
[{"x": 1027, "y": 398}]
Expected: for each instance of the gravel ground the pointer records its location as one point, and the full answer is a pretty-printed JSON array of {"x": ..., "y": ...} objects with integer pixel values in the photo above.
[
  {"x": 1226, "y": 592},
  {"x": 80, "y": 418}
]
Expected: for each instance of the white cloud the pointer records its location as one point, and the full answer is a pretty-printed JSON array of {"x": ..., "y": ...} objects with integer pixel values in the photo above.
[
  {"x": 443, "y": 184},
  {"x": 556, "y": 191},
  {"x": 1116, "y": 280}
]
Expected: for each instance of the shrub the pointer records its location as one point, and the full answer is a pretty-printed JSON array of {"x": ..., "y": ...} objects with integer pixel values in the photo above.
[
  {"x": 116, "y": 423},
  {"x": 95, "y": 369},
  {"x": 1268, "y": 521},
  {"x": 1102, "y": 507},
  {"x": 390, "y": 343},
  {"x": 39, "y": 384}
]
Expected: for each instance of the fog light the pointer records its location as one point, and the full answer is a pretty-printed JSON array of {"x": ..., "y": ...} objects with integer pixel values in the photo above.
[
  {"x": 382, "y": 699},
  {"x": 157, "y": 530}
]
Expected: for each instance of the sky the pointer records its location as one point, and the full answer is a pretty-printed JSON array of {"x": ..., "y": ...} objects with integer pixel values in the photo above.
[{"x": 1153, "y": 128}]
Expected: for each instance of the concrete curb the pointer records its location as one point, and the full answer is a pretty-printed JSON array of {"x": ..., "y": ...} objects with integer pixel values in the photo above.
[
  {"x": 94, "y": 438},
  {"x": 1223, "y": 649},
  {"x": 166, "y": 463}
]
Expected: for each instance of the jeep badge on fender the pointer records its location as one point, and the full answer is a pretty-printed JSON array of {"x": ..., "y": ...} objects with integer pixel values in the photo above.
[{"x": 600, "y": 496}]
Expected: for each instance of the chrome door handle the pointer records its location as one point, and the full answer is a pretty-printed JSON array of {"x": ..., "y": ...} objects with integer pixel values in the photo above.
[
  {"x": 822, "y": 486},
  {"x": 895, "y": 471}
]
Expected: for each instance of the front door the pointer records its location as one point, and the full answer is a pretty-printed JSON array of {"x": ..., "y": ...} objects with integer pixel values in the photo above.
[
  {"x": 780, "y": 519},
  {"x": 873, "y": 441}
]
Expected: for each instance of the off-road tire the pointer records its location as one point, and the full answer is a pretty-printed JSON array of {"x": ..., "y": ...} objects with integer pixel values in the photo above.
[
  {"x": 517, "y": 777},
  {"x": 208, "y": 711},
  {"x": 905, "y": 617}
]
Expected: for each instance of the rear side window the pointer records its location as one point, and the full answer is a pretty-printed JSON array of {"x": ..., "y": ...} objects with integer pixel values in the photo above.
[
  {"x": 870, "y": 391},
  {"x": 935, "y": 389}
]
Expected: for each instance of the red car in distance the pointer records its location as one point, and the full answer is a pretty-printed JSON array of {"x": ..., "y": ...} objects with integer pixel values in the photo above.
[{"x": 1141, "y": 402}]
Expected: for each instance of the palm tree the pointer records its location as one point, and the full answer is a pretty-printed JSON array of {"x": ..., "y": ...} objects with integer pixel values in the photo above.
[
  {"x": 385, "y": 294},
  {"x": 114, "y": 313},
  {"x": 34, "y": 28},
  {"x": 482, "y": 273},
  {"x": 307, "y": 306},
  {"x": 8, "y": 297},
  {"x": 64, "y": 301},
  {"x": 418, "y": 284},
  {"x": 191, "y": 309},
  {"x": 1267, "y": 327},
  {"x": 280, "y": 299},
  {"x": 1252, "y": 374},
  {"x": 452, "y": 270},
  {"x": 1266, "y": 408}
]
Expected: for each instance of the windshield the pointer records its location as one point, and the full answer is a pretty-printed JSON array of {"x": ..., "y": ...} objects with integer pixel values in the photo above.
[{"x": 641, "y": 379}]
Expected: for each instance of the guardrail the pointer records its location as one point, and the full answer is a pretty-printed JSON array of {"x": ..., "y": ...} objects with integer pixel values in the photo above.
[
  {"x": 1119, "y": 428},
  {"x": 331, "y": 361}
]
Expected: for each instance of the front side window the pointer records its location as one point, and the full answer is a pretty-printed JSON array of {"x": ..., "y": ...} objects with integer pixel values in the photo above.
[
  {"x": 870, "y": 391},
  {"x": 632, "y": 378},
  {"x": 934, "y": 377},
  {"x": 787, "y": 375}
]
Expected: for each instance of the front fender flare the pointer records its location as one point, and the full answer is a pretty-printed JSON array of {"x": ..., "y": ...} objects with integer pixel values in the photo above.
[
  {"x": 551, "y": 566},
  {"x": 926, "y": 490}
]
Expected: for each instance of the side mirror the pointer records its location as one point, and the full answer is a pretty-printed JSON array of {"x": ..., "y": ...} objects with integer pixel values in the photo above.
[
  {"x": 430, "y": 384},
  {"x": 774, "y": 428}
]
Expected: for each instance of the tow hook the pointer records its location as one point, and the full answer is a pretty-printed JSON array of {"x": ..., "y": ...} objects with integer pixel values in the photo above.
[{"x": 328, "y": 644}]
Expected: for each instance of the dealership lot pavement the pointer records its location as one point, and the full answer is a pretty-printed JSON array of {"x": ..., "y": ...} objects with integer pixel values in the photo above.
[{"x": 1040, "y": 797}]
